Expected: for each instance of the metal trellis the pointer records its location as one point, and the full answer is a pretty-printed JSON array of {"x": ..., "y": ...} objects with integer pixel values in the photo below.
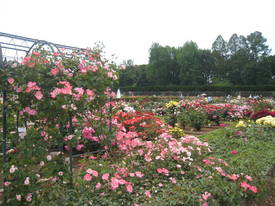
[{"x": 15, "y": 48}]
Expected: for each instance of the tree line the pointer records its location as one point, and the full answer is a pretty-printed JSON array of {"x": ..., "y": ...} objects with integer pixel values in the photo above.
[{"x": 239, "y": 61}]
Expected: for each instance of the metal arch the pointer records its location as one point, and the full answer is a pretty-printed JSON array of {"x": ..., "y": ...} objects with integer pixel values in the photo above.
[
  {"x": 29, "y": 44},
  {"x": 41, "y": 43},
  {"x": 1, "y": 56}
]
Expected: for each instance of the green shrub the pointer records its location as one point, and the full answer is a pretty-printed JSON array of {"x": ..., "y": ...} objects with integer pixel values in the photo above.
[{"x": 193, "y": 118}]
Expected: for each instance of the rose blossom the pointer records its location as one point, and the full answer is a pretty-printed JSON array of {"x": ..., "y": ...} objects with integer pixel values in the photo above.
[
  {"x": 18, "y": 197},
  {"x": 27, "y": 181},
  {"x": 10, "y": 80},
  {"x": 88, "y": 177},
  {"x": 105, "y": 176}
]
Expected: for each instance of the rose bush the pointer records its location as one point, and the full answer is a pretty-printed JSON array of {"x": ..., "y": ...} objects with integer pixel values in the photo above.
[{"x": 61, "y": 101}]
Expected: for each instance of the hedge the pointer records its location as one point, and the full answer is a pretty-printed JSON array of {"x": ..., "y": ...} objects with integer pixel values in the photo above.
[{"x": 201, "y": 88}]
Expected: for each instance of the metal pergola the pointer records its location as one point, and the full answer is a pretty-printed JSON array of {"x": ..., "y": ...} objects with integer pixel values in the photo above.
[{"x": 14, "y": 47}]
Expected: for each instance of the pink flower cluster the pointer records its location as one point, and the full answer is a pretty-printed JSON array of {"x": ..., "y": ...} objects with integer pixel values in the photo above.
[
  {"x": 115, "y": 181},
  {"x": 163, "y": 171},
  {"x": 79, "y": 93},
  {"x": 32, "y": 86},
  {"x": 127, "y": 141},
  {"x": 28, "y": 110},
  {"x": 67, "y": 89},
  {"x": 108, "y": 92},
  {"x": 54, "y": 71},
  {"x": 246, "y": 186},
  {"x": 90, "y": 94},
  {"x": 88, "y": 133},
  {"x": 84, "y": 67}
]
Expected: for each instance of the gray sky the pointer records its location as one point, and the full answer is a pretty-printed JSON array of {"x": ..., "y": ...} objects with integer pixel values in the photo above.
[{"x": 129, "y": 27}]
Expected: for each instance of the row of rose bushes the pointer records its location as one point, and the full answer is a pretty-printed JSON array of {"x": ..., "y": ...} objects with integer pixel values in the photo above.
[
  {"x": 143, "y": 166},
  {"x": 199, "y": 112}
]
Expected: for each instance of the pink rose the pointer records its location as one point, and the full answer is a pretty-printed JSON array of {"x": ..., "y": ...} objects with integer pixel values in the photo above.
[
  {"x": 105, "y": 176},
  {"x": 147, "y": 193},
  {"x": 38, "y": 95},
  {"x": 92, "y": 172},
  {"x": 139, "y": 174},
  {"x": 54, "y": 71},
  {"x": 206, "y": 195},
  {"x": 10, "y": 80},
  {"x": 79, "y": 147},
  {"x": 249, "y": 178},
  {"x": 88, "y": 177},
  {"x": 98, "y": 185},
  {"x": 129, "y": 188},
  {"x": 253, "y": 189}
]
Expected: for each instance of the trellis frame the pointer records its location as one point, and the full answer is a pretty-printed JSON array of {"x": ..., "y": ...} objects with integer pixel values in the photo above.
[{"x": 22, "y": 46}]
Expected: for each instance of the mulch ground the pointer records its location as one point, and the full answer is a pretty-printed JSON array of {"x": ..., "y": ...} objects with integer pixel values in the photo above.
[{"x": 204, "y": 130}]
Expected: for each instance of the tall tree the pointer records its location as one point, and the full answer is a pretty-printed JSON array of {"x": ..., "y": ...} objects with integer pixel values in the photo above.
[
  {"x": 219, "y": 53},
  {"x": 236, "y": 43},
  {"x": 236, "y": 67},
  {"x": 189, "y": 60},
  {"x": 133, "y": 75},
  {"x": 220, "y": 46},
  {"x": 163, "y": 68},
  {"x": 208, "y": 69},
  {"x": 233, "y": 44},
  {"x": 257, "y": 45}
]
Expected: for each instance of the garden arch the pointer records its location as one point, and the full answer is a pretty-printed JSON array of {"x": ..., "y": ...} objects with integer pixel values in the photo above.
[{"x": 15, "y": 48}]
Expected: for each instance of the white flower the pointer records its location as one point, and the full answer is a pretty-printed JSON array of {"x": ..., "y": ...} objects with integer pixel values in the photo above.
[
  {"x": 60, "y": 173},
  {"x": 13, "y": 169},
  {"x": 29, "y": 197},
  {"x": 49, "y": 157},
  {"x": 42, "y": 163},
  {"x": 18, "y": 197},
  {"x": 27, "y": 181}
]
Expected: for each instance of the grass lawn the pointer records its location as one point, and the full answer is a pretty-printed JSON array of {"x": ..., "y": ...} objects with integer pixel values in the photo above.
[{"x": 252, "y": 152}]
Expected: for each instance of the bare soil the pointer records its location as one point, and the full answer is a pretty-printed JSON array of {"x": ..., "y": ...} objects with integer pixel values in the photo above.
[{"x": 204, "y": 130}]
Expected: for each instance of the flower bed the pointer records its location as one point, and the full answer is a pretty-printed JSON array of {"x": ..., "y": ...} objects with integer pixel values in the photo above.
[{"x": 63, "y": 101}]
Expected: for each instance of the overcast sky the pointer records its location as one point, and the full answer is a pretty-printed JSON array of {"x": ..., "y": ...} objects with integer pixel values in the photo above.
[{"x": 129, "y": 27}]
